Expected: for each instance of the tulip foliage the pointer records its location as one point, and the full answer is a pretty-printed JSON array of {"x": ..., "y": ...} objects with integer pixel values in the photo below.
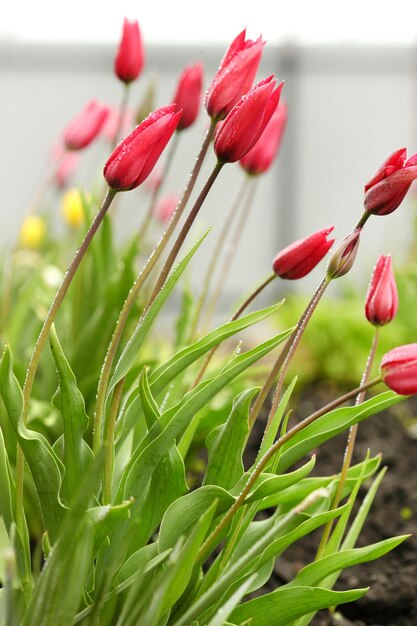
[{"x": 124, "y": 496}]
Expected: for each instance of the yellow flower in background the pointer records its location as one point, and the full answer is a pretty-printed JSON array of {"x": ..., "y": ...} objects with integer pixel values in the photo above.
[
  {"x": 72, "y": 208},
  {"x": 33, "y": 232}
]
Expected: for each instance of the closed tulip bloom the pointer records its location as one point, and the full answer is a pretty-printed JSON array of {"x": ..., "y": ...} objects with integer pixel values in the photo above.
[
  {"x": 399, "y": 369},
  {"x": 246, "y": 122},
  {"x": 130, "y": 56},
  {"x": 135, "y": 157},
  {"x": 344, "y": 256},
  {"x": 65, "y": 164},
  {"x": 259, "y": 159},
  {"x": 386, "y": 190},
  {"x": 188, "y": 95},
  {"x": 86, "y": 126},
  {"x": 302, "y": 256},
  {"x": 235, "y": 75},
  {"x": 382, "y": 300}
]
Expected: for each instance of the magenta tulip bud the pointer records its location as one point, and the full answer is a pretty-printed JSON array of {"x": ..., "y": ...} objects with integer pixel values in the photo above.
[
  {"x": 302, "y": 256},
  {"x": 399, "y": 369},
  {"x": 344, "y": 256},
  {"x": 386, "y": 190},
  {"x": 130, "y": 56},
  {"x": 86, "y": 126},
  {"x": 382, "y": 299},
  {"x": 135, "y": 157},
  {"x": 259, "y": 159},
  {"x": 245, "y": 123},
  {"x": 235, "y": 75},
  {"x": 166, "y": 207},
  {"x": 188, "y": 95}
]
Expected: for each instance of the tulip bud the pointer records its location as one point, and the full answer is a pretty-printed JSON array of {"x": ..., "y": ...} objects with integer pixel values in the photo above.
[
  {"x": 259, "y": 159},
  {"x": 245, "y": 123},
  {"x": 135, "y": 157},
  {"x": 65, "y": 166},
  {"x": 302, "y": 256},
  {"x": 130, "y": 56},
  {"x": 399, "y": 369},
  {"x": 188, "y": 94},
  {"x": 386, "y": 190},
  {"x": 86, "y": 126},
  {"x": 235, "y": 75},
  {"x": 344, "y": 256},
  {"x": 72, "y": 208},
  {"x": 166, "y": 207},
  {"x": 382, "y": 299}
]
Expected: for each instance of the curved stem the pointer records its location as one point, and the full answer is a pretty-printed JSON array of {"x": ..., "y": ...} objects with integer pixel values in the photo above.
[
  {"x": 347, "y": 457},
  {"x": 108, "y": 439},
  {"x": 216, "y": 254},
  {"x": 136, "y": 287},
  {"x": 183, "y": 233},
  {"x": 231, "y": 250},
  {"x": 43, "y": 335},
  {"x": 234, "y": 317},
  {"x": 287, "y": 350},
  {"x": 211, "y": 541},
  {"x": 365, "y": 217},
  {"x": 157, "y": 190},
  {"x": 122, "y": 114}
]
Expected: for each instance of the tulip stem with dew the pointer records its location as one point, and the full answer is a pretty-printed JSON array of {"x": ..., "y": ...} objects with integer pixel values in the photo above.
[
  {"x": 211, "y": 541},
  {"x": 288, "y": 349},
  {"x": 149, "y": 215},
  {"x": 108, "y": 442},
  {"x": 43, "y": 337},
  {"x": 234, "y": 317},
  {"x": 184, "y": 232},
  {"x": 216, "y": 254},
  {"x": 347, "y": 457},
  {"x": 137, "y": 286},
  {"x": 230, "y": 252},
  {"x": 121, "y": 114}
]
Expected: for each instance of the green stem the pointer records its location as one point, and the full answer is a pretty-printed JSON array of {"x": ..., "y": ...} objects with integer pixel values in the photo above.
[
  {"x": 122, "y": 114},
  {"x": 157, "y": 190},
  {"x": 347, "y": 457},
  {"x": 43, "y": 337},
  {"x": 365, "y": 217},
  {"x": 289, "y": 348},
  {"x": 211, "y": 541},
  {"x": 183, "y": 233},
  {"x": 216, "y": 254},
  {"x": 234, "y": 317},
  {"x": 231, "y": 251},
  {"x": 136, "y": 287},
  {"x": 108, "y": 442}
]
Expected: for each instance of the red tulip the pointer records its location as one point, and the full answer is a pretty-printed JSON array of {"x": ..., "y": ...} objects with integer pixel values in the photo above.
[
  {"x": 382, "y": 300},
  {"x": 135, "y": 157},
  {"x": 298, "y": 259},
  {"x": 65, "y": 168},
  {"x": 188, "y": 94},
  {"x": 130, "y": 56},
  {"x": 399, "y": 369},
  {"x": 86, "y": 126},
  {"x": 235, "y": 75},
  {"x": 166, "y": 207},
  {"x": 344, "y": 256},
  {"x": 386, "y": 190},
  {"x": 259, "y": 159},
  {"x": 246, "y": 122}
]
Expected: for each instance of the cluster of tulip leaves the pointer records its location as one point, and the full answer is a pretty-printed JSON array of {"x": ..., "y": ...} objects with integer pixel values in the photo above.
[{"x": 144, "y": 558}]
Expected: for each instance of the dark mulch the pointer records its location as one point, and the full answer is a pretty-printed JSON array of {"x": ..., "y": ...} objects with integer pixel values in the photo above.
[{"x": 392, "y": 598}]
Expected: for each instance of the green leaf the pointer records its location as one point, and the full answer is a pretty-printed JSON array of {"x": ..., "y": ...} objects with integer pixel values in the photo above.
[
  {"x": 130, "y": 353},
  {"x": 225, "y": 609},
  {"x": 330, "y": 425},
  {"x": 280, "y": 607},
  {"x": 185, "y": 512},
  {"x": 268, "y": 485},
  {"x": 227, "y": 443},
  {"x": 43, "y": 463},
  {"x": 272, "y": 431},
  {"x": 70, "y": 403}
]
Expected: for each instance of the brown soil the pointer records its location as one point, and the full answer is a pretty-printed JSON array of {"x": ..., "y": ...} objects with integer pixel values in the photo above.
[{"x": 392, "y": 598}]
